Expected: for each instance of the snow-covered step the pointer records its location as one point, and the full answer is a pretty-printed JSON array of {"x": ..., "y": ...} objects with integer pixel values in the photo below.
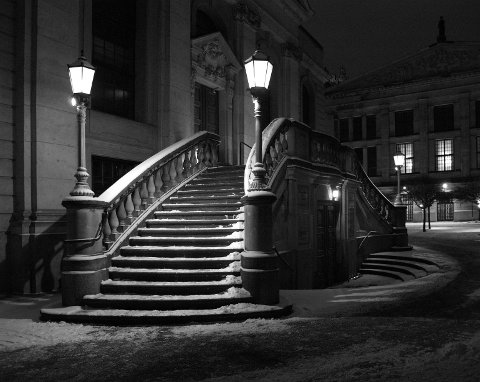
[
  {"x": 170, "y": 287},
  {"x": 162, "y": 302},
  {"x": 230, "y": 312},
  {"x": 187, "y": 215},
  {"x": 202, "y": 206},
  {"x": 199, "y": 241},
  {"x": 174, "y": 262},
  {"x": 236, "y": 190},
  {"x": 181, "y": 251},
  {"x": 221, "y": 183},
  {"x": 190, "y": 231},
  {"x": 163, "y": 274},
  {"x": 193, "y": 223},
  {"x": 216, "y": 199}
]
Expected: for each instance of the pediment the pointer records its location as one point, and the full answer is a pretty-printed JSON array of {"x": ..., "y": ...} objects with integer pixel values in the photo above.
[
  {"x": 439, "y": 60},
  {"x": 213, "y": 61}
]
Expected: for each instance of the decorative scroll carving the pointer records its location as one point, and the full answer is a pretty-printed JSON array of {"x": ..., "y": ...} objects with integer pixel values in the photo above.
[{"x": 212, "y": 59}]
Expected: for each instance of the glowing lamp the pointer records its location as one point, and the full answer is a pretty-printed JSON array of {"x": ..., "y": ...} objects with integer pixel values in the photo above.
[{"x": 259, "y": 70}]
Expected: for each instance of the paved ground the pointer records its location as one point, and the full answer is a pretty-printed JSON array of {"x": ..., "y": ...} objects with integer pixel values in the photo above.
[{"x": 423, "y": 330}]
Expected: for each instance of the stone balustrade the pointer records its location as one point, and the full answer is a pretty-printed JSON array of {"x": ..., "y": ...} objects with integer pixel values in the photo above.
[{"x": 131, "y": 195}]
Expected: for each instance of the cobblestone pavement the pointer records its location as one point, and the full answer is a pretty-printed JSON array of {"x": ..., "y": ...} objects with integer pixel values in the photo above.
[{"x": 427, "y": 330}]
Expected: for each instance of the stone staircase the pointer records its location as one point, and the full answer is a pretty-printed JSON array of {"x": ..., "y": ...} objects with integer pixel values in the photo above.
[
  {"x": 183, "y": 266},
  {"x": 397, "y": 266}
]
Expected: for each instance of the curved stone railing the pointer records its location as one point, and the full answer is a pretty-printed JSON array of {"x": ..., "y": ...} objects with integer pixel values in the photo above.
[
  {"x": 284, "y": 138},
  {"x": 132, "y": 194}
]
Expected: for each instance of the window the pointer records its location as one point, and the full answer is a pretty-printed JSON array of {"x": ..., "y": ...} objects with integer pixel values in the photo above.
[
  {"x": 372, "y": 161},
  {"x": 443, "y": 118},
  {"x": 407, "y": 149},
  {"x": 357, "y": 129},
  {"x": 344, "y": 136},
  {"x": 359, "y": 153},
  {"x": 403, "y": 123},
  {"x": 113, "y": 24},
  {"x": 478, "y": 152},
  {"x": 444, "y": 155},
  {"x": 445, "y": 210},
  {"x": 371, "y": 127},
  {"x": 106, "y": 171}
]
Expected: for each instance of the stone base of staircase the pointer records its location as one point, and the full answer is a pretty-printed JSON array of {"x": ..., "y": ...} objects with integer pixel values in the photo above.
[{"x": 234, "y": 312}]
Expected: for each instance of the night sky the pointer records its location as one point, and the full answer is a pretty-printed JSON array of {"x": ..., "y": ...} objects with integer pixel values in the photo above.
[{"x": 363, "y": 35}]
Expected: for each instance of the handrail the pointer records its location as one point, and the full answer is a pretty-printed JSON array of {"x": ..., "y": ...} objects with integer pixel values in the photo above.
[
  {"x": 283, "y": 260},
  {"x": 129, "y": 196},
  {"x": 287, "y": 137}
]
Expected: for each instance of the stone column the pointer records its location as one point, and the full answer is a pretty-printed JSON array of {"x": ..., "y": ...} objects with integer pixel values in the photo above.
[
  {"x": 84, "y": 265},
  {"x": 290, "y": 83}
]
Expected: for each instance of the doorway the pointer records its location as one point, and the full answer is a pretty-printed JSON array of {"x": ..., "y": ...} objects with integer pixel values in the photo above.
[
  {"x": 206, "y": 109},
  {"x": 326, "y": 264}
]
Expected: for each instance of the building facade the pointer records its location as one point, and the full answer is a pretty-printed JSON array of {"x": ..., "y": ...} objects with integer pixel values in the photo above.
[
  {"x": 427, "y": 106},
  {"x": 164, "y": 70}
]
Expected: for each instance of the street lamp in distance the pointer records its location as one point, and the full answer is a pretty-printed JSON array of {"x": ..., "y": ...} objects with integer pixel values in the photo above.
[
  {"x": 399, "y": 159},
  {"x": 81, "y": 78}
]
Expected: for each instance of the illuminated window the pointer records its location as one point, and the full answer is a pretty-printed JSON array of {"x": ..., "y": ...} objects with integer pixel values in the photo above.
[
  {"x": 444, "y": 155},
  {"x": 407, "y": 150}
]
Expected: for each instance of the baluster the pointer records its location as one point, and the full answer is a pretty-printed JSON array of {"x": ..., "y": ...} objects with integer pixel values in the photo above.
[
  {"x": 121, "y": 215},
  {"x": 214, "y": 151},
  {"x": 278, "y": 149},
  {"x": 107, "y": 232},
  {"x": 151, "y": 188},
  {"x": 180, "y": 167},
  {"x": 268, "y": 163},
  {"x": 284, "y": 142},
  {"x": 187, "y": 164},
  {"x": 158, "y": 182},
  {"x": 273, "y": 156},
  {"x": 137, "y": 201},
  {"x": 194, "y": 159},
  {"x": 113, "y": 220},
  {"x": 208, "y": 155},
  {"x": 166, "y": 177},
  {"x": 129, "y": 208},
  {"x": 202, "y": 157},
  {"x": 172, "y": 172},
  {"x": 144, "y": 194}
]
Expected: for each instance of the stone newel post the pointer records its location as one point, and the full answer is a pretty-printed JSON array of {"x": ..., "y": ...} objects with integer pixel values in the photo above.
[{"x": 84, "y": 265}]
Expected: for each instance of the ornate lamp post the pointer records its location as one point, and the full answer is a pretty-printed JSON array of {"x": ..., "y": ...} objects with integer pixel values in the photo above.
[
  {"x": 81, "y": 78},
  {"x": 84, "y": 265},
  {"x": 399, "y": 159},
  {"x": 259, "y": 261}
]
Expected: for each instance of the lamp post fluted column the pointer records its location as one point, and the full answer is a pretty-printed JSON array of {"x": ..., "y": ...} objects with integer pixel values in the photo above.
[
  {"x": 260, "y": 273},
  {"x": 81, "y": 186}
]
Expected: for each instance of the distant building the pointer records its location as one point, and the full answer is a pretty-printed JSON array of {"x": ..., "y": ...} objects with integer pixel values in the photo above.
[
  {"x": 165, "y": 70},
  {"x": 426, "y": 105}
]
